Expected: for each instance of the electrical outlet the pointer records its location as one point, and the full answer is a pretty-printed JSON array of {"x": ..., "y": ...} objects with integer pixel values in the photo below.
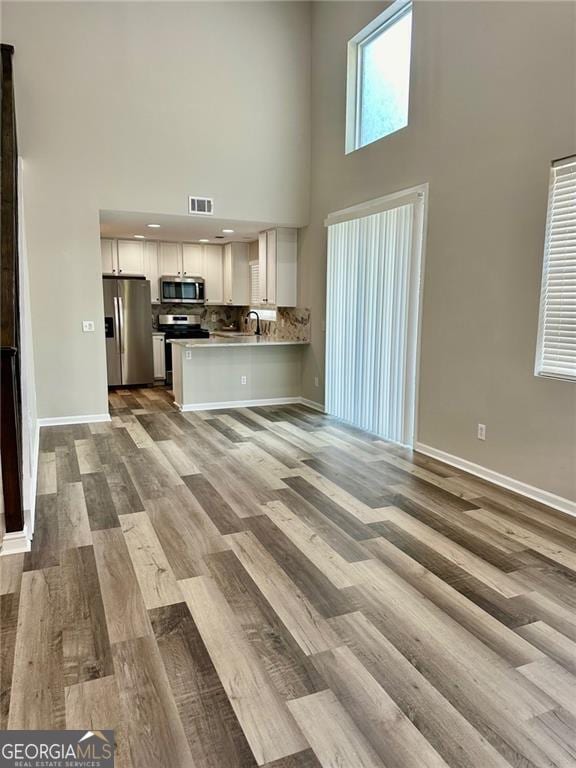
[
  {"x": 88, "y": 326},
  {"x": 316, "y": 381},
  {"x": 243, "y": 380},
  {"x": 188, "y": 354},
  {"x": 214, "y": 317},
  {"x": 481, "y": 431}
]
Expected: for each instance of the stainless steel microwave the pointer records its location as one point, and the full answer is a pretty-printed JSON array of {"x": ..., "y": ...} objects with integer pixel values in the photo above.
[{"x": 181, "y": 290}]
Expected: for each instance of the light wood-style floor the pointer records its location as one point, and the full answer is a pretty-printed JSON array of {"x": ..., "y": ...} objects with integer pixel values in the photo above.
[{"x": 268, "y": 586}]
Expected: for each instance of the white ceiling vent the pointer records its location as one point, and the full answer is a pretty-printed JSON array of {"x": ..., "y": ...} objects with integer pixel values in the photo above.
[{"x": 204, "y": 206}]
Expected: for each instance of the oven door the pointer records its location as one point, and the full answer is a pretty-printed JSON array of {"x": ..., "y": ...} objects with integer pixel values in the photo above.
[{"x": 181, "y": 290}]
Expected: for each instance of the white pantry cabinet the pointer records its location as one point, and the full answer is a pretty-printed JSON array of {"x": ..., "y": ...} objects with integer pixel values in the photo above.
[
  {"x": 278, "y": 266},
  {"x": 237, "y": 274},
  {"x": 159, "y": 349}
]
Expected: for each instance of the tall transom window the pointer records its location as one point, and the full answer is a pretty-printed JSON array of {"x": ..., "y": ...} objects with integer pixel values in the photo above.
[{"x": 379, "y": 77}]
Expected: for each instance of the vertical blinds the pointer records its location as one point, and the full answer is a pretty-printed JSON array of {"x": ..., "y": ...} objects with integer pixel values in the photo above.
[
  {"x": 556, "y": 351},
  {"x": 372, "y": 300}
]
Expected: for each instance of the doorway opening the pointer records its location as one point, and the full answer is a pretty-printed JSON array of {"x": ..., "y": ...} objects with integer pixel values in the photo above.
[{"x": 374, "y": 296}]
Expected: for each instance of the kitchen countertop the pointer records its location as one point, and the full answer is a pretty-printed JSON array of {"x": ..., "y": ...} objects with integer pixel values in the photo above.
[{"x": 234, "y": 341}]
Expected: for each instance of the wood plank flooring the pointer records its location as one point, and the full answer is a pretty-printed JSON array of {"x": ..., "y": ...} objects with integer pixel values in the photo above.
[{"x": 271, "y": 587}]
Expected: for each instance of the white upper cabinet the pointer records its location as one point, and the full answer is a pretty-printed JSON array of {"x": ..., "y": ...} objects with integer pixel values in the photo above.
[
  {"x": 109, "y": 257},
  {"x": 151, "y": 269},
  {"x": 170, "y": 259},
  {"x": 277, "y": 266},
  {"x": 130, "y": 257},
  {"x": 226, "y": 271},
  {"x": 192, "y": 260},
  {"x": 237, "y": 274},
  {"x": 213, "y": 274}
]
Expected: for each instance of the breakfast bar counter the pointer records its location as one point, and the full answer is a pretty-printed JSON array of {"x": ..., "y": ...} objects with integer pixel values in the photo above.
[{"x": 235, "y": 370}]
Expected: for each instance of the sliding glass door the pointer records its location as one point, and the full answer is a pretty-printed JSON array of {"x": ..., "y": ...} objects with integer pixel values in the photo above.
[{"x": 374, "y": 267}]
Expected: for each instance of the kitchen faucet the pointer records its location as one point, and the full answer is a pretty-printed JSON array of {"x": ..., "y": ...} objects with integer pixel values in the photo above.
[{"x": 252, "y": 312}]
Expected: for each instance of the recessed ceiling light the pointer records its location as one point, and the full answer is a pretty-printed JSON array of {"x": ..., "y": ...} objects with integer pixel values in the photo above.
[
  {"x": 139, "y": 237},
  {"x": 203, "y": 240},
  {"x": 228, "y": 231},
  {"x": 153, "y": 226}
]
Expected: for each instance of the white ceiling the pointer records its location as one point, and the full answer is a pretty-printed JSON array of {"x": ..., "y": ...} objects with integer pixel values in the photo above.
[{"x": 126, "y": 224}]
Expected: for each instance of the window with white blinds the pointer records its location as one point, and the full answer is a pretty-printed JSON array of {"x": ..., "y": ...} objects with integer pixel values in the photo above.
[
  {"x": 255, "y": 297},
  {"x": 373, "y": 299},
  {"x": 556, "y": 349}
]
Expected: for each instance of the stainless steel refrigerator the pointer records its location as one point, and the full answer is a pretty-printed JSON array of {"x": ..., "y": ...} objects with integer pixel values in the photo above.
[{"x": 128, "y": 324}]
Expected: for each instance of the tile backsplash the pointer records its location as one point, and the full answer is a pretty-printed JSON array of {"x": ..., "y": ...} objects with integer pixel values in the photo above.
[
  {"x": 292, "y": 323},
  {"x": 211, "y": 318}
]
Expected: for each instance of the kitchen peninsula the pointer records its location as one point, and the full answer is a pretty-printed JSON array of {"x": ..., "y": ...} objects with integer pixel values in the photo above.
[{"x": 228, "y": 371}]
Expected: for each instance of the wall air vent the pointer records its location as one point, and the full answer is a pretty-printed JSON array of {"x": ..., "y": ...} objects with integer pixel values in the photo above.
[{"x": 203, "y": 206}]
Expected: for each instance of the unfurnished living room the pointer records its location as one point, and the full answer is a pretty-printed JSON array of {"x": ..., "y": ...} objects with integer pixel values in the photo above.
[{"x": 288, "y": 384}]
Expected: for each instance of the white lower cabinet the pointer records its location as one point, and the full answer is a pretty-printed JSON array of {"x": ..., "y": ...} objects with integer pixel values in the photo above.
[{"x": 159, "y": 348}]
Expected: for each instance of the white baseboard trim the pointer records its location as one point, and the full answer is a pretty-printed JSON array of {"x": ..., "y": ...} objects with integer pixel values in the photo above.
[
  {"x": 537, "y": 494},
  {"x": 240, "y": 404},
  {"x": 57, "y": 421},
  {"x": 312, "y": 404},
  {"x": 15, "y": 543}
]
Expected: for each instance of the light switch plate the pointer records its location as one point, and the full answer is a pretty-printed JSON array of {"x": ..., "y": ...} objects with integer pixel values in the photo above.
[
  {"x": 188, "y": 355},
  {"x": 88, "y": 326}
]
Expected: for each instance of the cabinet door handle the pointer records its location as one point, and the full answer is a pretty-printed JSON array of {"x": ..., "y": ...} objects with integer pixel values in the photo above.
[{"x": 120, "y": 271}]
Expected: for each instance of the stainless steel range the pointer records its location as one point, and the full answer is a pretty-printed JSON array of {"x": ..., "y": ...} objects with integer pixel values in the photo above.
[{"x": 179, "y": 327}]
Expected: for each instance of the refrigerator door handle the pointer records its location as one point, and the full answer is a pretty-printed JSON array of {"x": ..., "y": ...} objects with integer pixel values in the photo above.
[{"x": 120, "y": 310}]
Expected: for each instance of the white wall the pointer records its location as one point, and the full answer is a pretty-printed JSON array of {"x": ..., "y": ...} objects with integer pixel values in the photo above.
[
  {"x": 492, "y": 103},
  {"x": 30, "y": 431},
  {"x": 133, "y": 106}
]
